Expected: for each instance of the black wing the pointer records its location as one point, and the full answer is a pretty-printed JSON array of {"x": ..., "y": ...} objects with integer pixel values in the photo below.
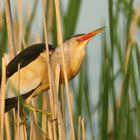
[
  {"x": 12, "y": 102},
  {"x": 25, "y": 57}
]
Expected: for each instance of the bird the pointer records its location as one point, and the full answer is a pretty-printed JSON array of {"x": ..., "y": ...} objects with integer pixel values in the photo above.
[{"x": 32, "y": 60}]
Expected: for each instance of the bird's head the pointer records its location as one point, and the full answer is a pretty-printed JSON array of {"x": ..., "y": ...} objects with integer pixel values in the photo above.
[{"x": 81, "y": 40}]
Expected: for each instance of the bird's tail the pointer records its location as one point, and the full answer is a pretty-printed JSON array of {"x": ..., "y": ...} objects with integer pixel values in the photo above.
[{"x": 11, "y": 103}]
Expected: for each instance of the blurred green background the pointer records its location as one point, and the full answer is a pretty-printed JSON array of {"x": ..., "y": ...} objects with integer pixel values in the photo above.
[{"x": 106, "y": 93}]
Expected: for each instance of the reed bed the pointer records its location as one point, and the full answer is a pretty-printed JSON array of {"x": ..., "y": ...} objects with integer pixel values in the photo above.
[{"x": 71, "y": 113}]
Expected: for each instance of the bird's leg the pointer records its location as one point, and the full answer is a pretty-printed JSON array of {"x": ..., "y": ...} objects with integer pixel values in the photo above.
[
  {"x": 22, "y": 116},
  {"x": 28, "y": 101}
]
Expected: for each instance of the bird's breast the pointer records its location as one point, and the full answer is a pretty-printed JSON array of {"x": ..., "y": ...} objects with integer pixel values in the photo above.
[{"x": 73, "y": 63}]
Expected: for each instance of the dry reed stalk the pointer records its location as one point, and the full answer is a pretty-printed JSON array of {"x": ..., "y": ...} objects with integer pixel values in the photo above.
[
  {"x": 24, "y": 132},
  {"x": 54, "y": 102},
  {"x": 44, "y": 119},
  {"x": 20, "y": 24},
  {"x": 58, "y": 115},
  {"x": 47, "y": 52},
  {"x": 43, "y": 135},
  {"x": 2, "y": 99},
  {"x": 79, "y": 128},
  {"x": 58, "y": 112},
  {"x": 7, "y": 120},
  {"x": 62, "y": 98},
  {"x": 50, "y": 133},
  {"x": 44, "y": 100},
  {"x": 7, "y": 127},
  {"x": 10, "y": 30},
  {"x": 83, "y": 129},
  {"x": 60, "y": 133},
  {"x": 34, "y": 133},
  {"x": 21, "y": 129},
  {"x": 54, "y": 129},
  {"x": 49, "y": 17},
  {"x": 60, "y": 43},
  {"x": 14, "y": 119},
  {"x": 31, "y": 130},
  {"x": 18, "y": 107},
  {"x": 33, "y": 113},
  {"x": 49, "y": 70},
  {"x": 57, "y": 77}
]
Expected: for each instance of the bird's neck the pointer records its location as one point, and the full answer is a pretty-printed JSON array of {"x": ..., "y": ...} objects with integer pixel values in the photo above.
[
  {"x": 73, "y": 60},
  {"x": 71, "y": 54}
]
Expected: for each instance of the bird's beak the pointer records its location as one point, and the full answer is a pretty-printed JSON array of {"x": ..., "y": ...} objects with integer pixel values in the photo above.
[{"x": 89, "y": 35}]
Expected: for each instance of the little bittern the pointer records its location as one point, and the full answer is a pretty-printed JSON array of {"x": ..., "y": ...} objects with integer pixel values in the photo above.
[{"x": 34, "y": 71}]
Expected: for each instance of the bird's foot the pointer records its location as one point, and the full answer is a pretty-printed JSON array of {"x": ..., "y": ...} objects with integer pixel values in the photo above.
[
  {"x": 32, "y": 108},
  {"x": 23, "y": 120}
]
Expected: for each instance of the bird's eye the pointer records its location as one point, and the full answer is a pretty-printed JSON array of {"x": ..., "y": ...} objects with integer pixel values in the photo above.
[{"x": 78, "y": 39}]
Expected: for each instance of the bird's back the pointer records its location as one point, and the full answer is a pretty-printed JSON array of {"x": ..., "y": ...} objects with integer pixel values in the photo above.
[
  {"x": 31, "y": 73},
  {"x": 25, "y": 57}
]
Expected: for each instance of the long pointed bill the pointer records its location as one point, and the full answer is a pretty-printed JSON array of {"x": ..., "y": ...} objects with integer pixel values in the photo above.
[{"x": 90, "y": 34}]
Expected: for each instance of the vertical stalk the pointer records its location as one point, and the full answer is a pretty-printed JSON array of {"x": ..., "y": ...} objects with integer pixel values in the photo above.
[
  {"x": 20, "y": 24},
  {"x": 18, "y": 106},
  {"x": 55, "y": 105},
  {"x": 7, "y": 127},
  {"x": 52, "y": 105},
  {"x": 10, "y": 28},
  {"x": 83, "y": 129},
  {"x": 60, "y": 43},
  {"x": 79, "y": 128},
  {"x": 111, "y": 24},
  {"x": 2, "y": 99}
]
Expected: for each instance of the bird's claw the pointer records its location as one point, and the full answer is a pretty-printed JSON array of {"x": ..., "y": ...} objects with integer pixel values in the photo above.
[
  {"x": 30, "y": 107},
  {"x": 23, "y": 121}
]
